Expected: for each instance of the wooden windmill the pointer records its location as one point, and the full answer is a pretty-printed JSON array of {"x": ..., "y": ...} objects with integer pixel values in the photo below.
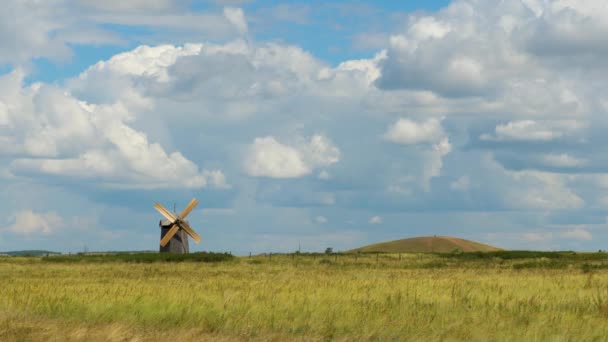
[{"x": 175, "y": 229}]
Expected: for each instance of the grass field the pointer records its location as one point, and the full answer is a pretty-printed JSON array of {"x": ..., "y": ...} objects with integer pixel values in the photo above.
[{"x": 417, "y": 297}]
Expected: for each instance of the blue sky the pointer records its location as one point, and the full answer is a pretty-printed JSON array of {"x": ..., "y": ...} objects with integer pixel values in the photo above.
[{"x": 320, "y": 124}]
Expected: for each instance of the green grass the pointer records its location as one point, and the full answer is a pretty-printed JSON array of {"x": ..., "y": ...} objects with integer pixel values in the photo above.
[
  {"x": 511, "y": 255},
  {"x": 139, "y": 257},
  {"x": 309, "y": 297},
  {"x": 32, "y": 252}
]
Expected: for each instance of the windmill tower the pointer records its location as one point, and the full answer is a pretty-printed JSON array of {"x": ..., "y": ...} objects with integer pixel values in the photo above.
[{"x": 174, "y": 230}]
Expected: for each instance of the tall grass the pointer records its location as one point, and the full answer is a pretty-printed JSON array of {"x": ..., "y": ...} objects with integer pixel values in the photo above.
[{"x": 320, "y": 297}]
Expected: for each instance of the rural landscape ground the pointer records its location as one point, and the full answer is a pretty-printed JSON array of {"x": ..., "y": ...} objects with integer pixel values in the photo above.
[{"x": 508, "y": 296}]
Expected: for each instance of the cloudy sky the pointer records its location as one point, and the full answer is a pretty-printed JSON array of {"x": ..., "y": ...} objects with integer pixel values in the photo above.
[{"x": 319, "y": 123}]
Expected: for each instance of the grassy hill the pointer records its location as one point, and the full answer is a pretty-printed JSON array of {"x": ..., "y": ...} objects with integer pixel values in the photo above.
[{"x": 427, "y": 244}]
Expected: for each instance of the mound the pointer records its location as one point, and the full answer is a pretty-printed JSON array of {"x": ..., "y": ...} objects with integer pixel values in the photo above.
[{"x": 427, "y": 244}]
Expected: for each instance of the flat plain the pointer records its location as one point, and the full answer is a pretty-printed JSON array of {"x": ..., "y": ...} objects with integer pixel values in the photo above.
[{"x": 408, "y": 297}]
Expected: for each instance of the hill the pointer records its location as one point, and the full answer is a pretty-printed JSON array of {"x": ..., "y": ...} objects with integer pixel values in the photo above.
[{"x": 427, "y": 244}]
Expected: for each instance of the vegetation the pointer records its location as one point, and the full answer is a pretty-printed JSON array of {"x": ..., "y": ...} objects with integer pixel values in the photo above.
[
  {"x": 462, "y": 296},
  {"x": 35, "y": 252},
  {"x": 140, "y": 257},
  {"x": 427, "y": 244}
]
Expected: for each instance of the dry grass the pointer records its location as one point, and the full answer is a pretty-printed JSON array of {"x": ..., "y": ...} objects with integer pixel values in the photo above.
[{"x": 300, "y": 299}]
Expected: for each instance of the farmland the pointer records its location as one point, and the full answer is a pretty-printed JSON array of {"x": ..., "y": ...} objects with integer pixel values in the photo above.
[{"x": 478, "y": 296}]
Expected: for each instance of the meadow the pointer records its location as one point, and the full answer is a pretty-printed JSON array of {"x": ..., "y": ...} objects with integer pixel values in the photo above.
[{"x": 513, "y": 296}]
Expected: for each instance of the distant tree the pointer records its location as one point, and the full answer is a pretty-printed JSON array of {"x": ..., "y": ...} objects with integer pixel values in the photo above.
[{"x": 329, "y": 250}]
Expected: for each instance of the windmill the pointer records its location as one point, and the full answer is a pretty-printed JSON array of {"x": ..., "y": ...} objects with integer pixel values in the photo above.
[{"x": 175, "y": 229}]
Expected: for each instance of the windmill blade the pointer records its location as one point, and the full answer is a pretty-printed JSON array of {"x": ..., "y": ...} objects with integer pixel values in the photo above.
[
  {"x": 185, "y": 226},
  {"x": 166, "y": 213},
  {"x": 169, "y": 235},
  {"x": 188, "y": 208}
]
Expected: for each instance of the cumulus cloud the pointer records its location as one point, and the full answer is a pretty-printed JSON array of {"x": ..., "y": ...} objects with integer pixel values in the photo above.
[
  {"x": 430, "y": 133},
  {"x": 420, "y": 58},
  {"x": 28, "y": 222},
  {"x": 55, "y": 134},
  {"x": 530, "y": 130},
  {"x": 148, "y": 61},
  {"x": 434, "y": 162},
  {"x": 406, "y": 131},
  {"x": 567, "y": 28},
  {"x": 507, "y": 57},
  {"x": 269, "y": 158},
  {"x": 321, "y": 219}
]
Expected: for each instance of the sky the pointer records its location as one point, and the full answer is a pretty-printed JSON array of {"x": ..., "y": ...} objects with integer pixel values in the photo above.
[{"x": 303, "y": 123}]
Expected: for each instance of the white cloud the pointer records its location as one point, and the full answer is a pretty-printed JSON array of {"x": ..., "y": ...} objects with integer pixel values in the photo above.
[
  {"x": 405, "y": 131},
  {"x": 507, "y": 57},
  {"x": 47, "y": 29},
  {"x": 434, "y": 162},
  {"x": 537, "y": 237},
  {"x": 375, "y": 220},
  {"x": 55, "y": 134},
  {"x": 131, "y": 5},
  {"x": 320, "y": 152},
  {"x": 4, "y": 118},
  {"x": 429, "y": 28},
  {"x": 321, "y": 219},
  {"x": 28, "y": 223},
  {"x": 148, "y": 61},
  {"x": 530, "y": 130},
  {"x": 430, "y": 132},
  {"x": 269, "y": 158},
  {"x": 545, "y": 237},
  {"x": 366, "y": 67},
  {"x": 567, "y": 28},
  {"x": 542, "y": 190},
  {"x": 562, "y": 160},
  {"x": 237, "y": 18},
  {"x": 522, "y": 130},
  {"x": 577, "y": 234}
]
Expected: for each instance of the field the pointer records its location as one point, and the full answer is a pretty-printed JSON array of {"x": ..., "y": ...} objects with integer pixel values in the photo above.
[{"x": 506, "y": 296}]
